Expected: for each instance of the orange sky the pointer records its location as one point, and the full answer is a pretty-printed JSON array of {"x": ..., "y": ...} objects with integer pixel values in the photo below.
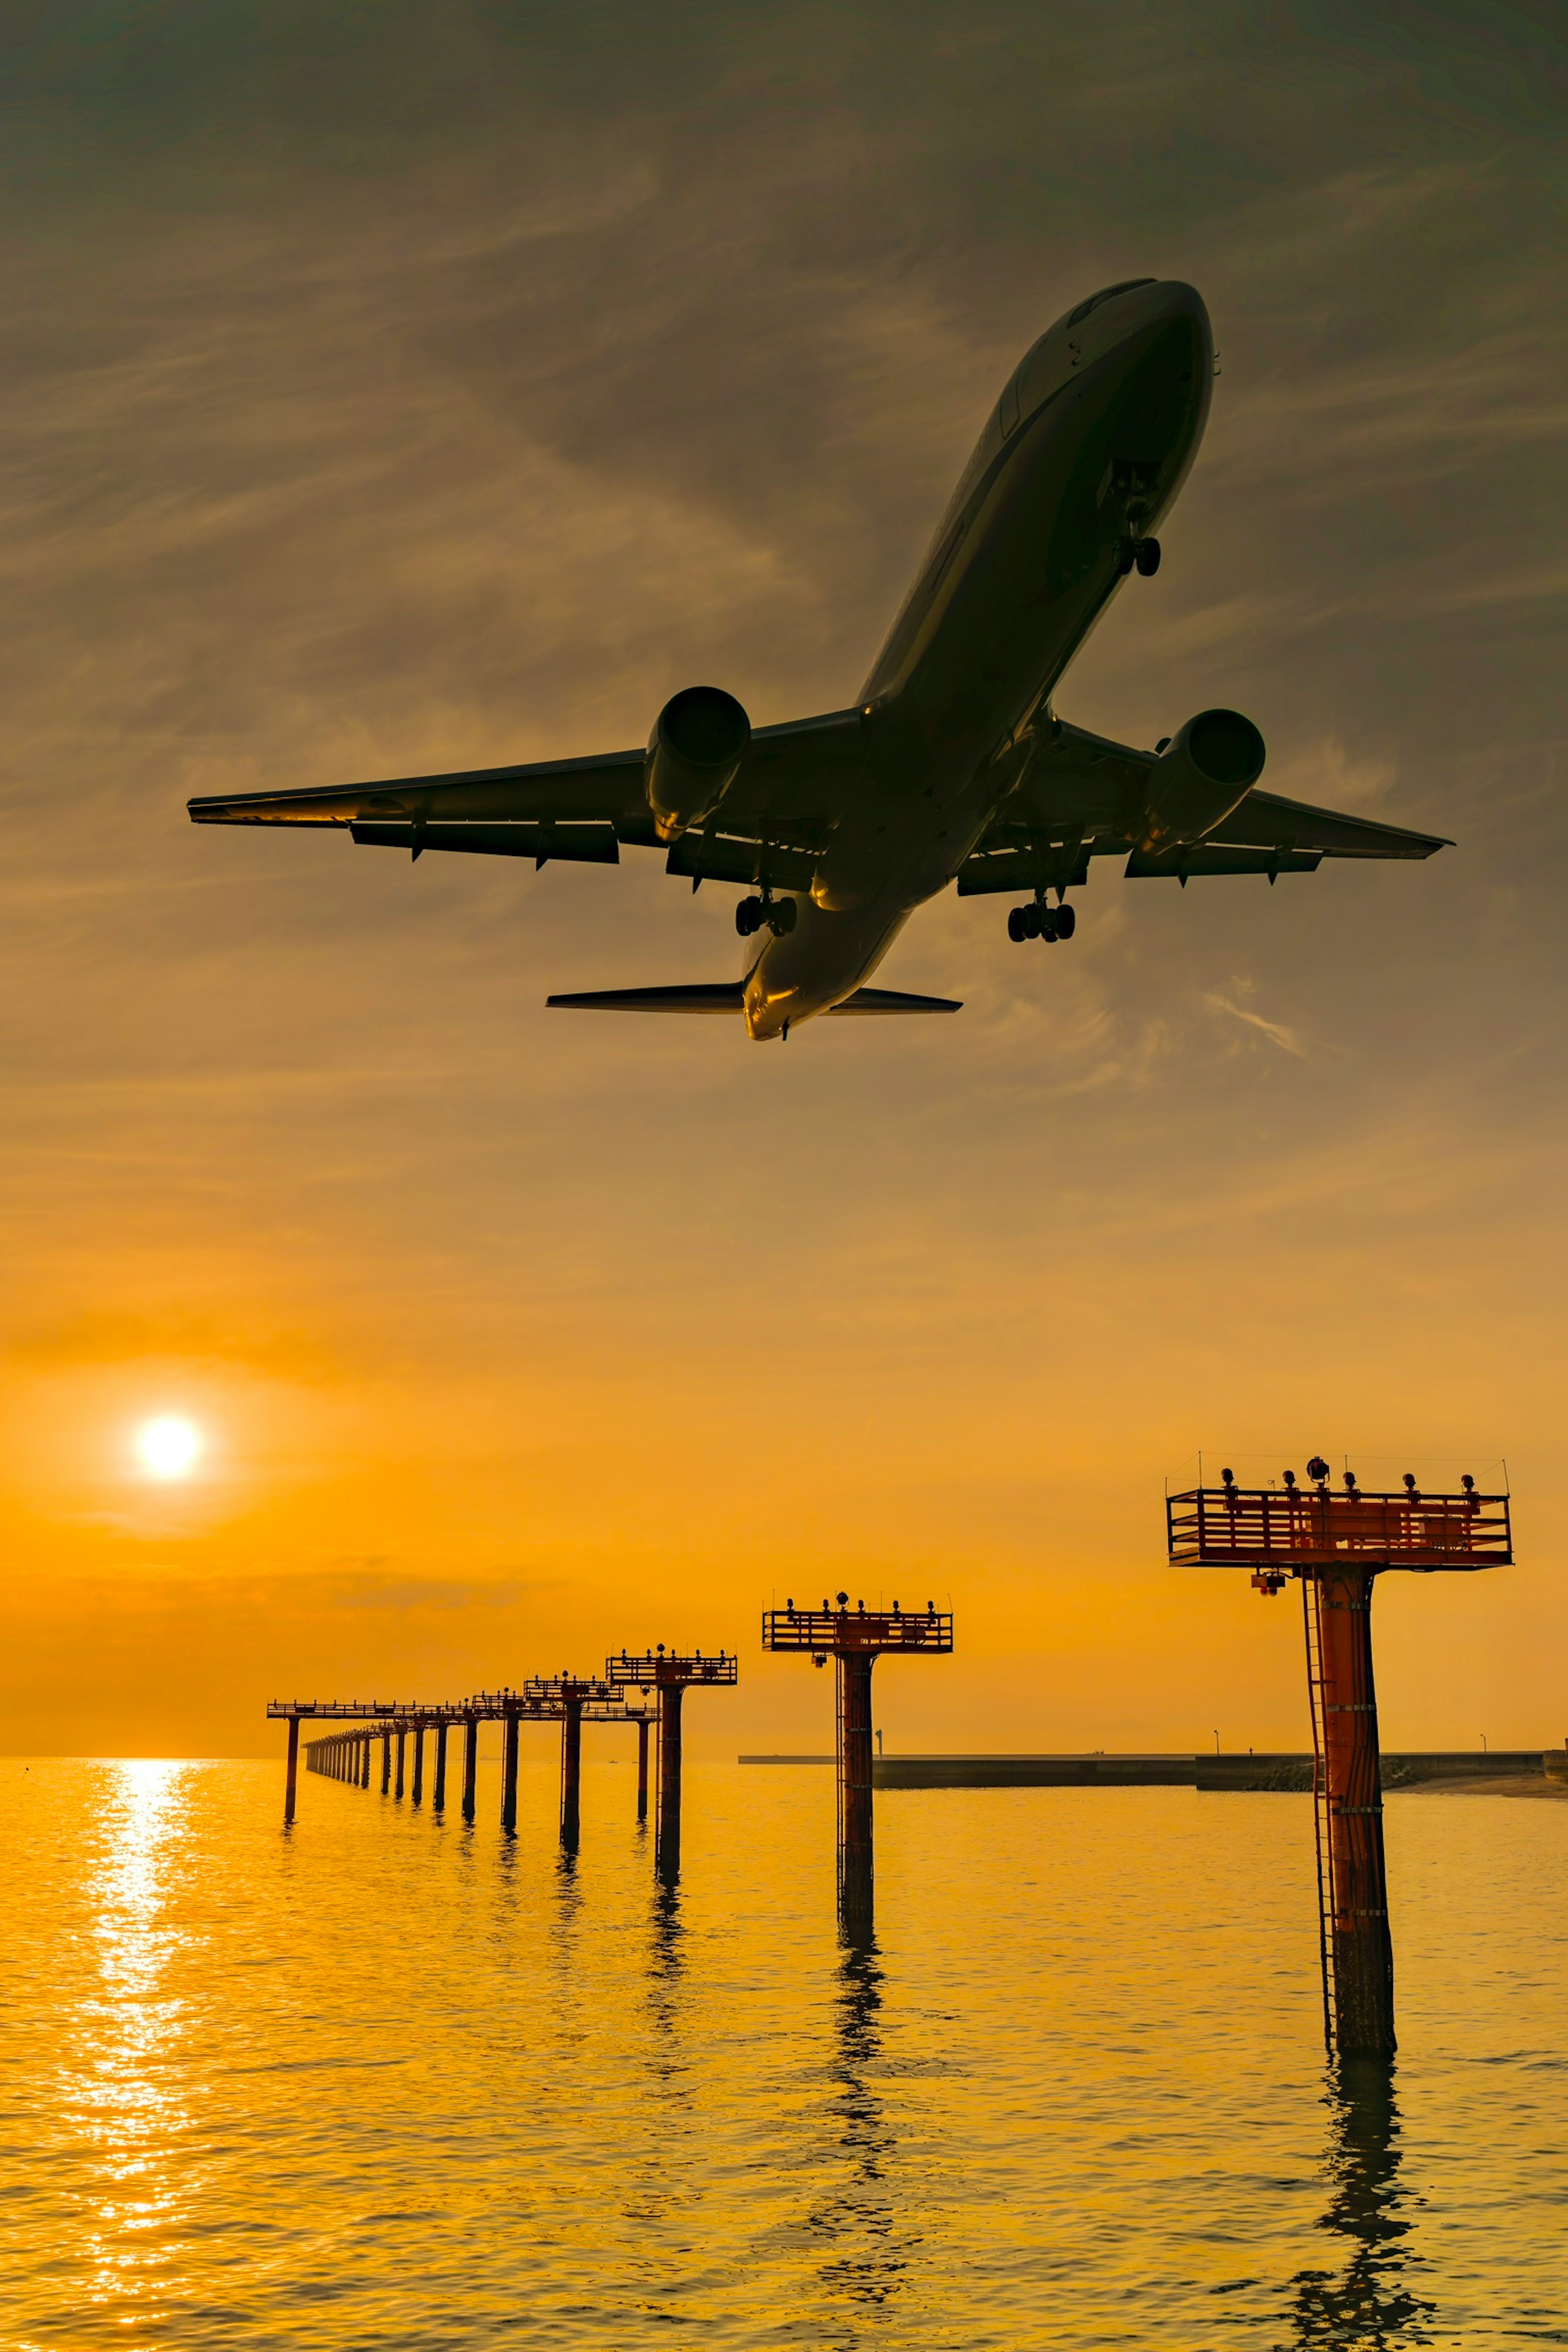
[{"x": 389, "y": 405}]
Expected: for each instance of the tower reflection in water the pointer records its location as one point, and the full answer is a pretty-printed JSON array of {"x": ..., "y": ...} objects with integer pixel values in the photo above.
[{"x": 1369, "y": 2303}]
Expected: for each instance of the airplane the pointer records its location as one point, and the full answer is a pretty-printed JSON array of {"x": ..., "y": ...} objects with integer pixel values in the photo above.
[{"x": 953, "y": 763}]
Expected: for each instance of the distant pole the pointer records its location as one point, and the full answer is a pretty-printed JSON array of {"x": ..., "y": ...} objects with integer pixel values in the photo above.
[
  {"x": 397, "y": 1790},
  {"x": 855, "y": 1835},
  {"x": 571, "y": 1773},
  {"x": 385, "y": 1761},
  {"x": 470, "y": 1764},
  {"x": 291, "y": 1777},
  {"x": 667, "y": 1850},
  {"x": 642, "y": 1770},
  {"x": 439, "y": 1798},
  {"x": 509, "y": 1775}
]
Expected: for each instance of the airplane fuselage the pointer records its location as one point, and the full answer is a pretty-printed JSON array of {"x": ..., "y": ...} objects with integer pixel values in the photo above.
[{"x": 1084, "y": 453}]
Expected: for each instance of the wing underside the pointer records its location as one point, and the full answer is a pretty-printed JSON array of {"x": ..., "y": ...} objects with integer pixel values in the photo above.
[
  {"x": 1070, "y": 803},
  {"x": 771, "y": 826},
  {"x": 1073, "y": 800}
]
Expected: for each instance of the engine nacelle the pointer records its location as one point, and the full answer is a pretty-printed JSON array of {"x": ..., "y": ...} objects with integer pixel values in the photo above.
[
  {"x": 1200, "y": 775},
  {"x": 694, "y": 755}
]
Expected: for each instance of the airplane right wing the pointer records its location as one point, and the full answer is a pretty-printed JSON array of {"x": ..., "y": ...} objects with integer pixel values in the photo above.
[{"x": 1073, "y": 802}]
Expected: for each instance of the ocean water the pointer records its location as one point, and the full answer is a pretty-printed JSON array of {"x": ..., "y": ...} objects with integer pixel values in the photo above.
[{"x": 383, "y": 2079}]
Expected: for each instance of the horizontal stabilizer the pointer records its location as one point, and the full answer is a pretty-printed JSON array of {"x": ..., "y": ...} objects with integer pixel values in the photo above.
[
  {"x": 730, "y": 996},
  {"x": 701, "y": 996},
  {"x": 893, "y": 1000}
]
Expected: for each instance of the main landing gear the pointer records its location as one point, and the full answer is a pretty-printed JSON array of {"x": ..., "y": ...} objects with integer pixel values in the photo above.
[
  {"x": 779, "y": 913},
  {"x": 1041, "y": 922},
  {"x": 1142, "y": 555}
]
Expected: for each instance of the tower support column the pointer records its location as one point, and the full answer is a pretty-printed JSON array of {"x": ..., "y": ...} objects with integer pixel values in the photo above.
[
  {"x": 572, "y": 1774},
  {"x": 509, "y": 1776},
  {"x": 292, "y": 1773},
  {"x": 398, "y": 1787},
  {"x": 855, "y": 1834},
  {"x": 418, "y": 1790},
  {"x": 385, "y": 1761},
  {"x": 1348, "y": 1795},
  {"x": 439, "y": 1797},
  {"x": 470, "y": 1764},
  {"x": 642, "y": 1770},
  {"x": 666, "y": 1847}
]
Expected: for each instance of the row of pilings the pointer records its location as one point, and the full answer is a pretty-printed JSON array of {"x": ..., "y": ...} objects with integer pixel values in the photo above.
[{"x": 648, "y": 1690}]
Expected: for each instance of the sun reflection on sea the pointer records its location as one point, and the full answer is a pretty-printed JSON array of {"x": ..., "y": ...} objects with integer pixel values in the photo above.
[{"x": 121, "y": 2076}]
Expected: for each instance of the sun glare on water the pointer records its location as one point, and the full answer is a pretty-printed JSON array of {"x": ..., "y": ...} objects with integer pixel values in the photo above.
[{"x": 168, "y": 1447}]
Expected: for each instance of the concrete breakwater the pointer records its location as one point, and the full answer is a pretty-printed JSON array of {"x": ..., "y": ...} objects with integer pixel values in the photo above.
[{"x": 1265, "y": 1770}]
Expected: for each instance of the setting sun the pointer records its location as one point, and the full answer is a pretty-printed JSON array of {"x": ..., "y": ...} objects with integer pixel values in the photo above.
[{"x": 168, "y": 1447}]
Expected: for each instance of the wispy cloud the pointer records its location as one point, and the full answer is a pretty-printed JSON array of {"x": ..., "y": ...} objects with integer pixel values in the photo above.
[{"x": 1224, "y": 1001}]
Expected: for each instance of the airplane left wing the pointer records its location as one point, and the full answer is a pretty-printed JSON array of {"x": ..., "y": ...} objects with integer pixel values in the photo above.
[{"x": 769, "y": 824}]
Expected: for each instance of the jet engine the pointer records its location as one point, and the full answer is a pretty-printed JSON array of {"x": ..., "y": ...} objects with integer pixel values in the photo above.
[
  {"x": 1199, "y": 777},
  {"x": 694, "y": 755}
]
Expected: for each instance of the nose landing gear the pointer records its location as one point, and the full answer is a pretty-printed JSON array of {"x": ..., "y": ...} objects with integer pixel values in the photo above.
[
  {"x": 1041, "y": 922},
  {"x": 780, "y": 915}
]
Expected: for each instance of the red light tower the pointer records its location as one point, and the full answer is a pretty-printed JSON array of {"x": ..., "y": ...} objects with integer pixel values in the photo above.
[
  {"x": 671, "y": 1674},
  {"x": 854, "y": 1639},
  {"x": 1335, "y": 1544}
]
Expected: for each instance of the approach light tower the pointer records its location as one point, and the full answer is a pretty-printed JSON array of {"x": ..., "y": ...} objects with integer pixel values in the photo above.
[
  {"x": 854, "y": 1639},
  {"x": 1334, "y": 1544},
  {"x": 669, "y": 1674}
]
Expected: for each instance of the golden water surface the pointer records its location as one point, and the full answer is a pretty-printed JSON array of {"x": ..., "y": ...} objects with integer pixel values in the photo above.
[{"x": 385, "y": 2080}]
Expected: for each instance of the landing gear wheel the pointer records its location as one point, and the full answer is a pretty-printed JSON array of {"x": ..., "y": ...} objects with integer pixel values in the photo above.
[
  {"x": 781, "y": 918},
  {"x": 1019, "y": 924},
  {"x": 1148, "y": 558},
  {"x": 1048, "y": 926},
  {"x": 1126, "y": 556},
  {"x": 748, "y": 917},
  {"x": 1065, "y": 921}
]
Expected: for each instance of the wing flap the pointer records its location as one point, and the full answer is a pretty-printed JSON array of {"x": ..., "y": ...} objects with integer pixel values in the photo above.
[
  {"x": 727, "y": 858},
  {"x": 582, "y": 845},
  {"x": 1203, "y": 858}
]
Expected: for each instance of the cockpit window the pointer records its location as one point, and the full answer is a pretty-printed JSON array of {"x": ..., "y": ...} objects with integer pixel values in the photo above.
[{"x": 1104, "y": 295}]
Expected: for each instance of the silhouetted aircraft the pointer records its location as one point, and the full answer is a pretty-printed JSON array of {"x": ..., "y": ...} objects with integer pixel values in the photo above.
[{"x": 953, "y": 763}]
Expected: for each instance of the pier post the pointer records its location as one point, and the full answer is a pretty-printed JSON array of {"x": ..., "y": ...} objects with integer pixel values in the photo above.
[
  {"x": 855, "y": 1835},
  {"x": 385, "y": 1761},
  {"x": 364, "y": 1761},
  {"x": 572, "y": 1774},
  {"x": 1360, "y": 1950},
  {"x": 470, "y": 1764},
  {"x": 418, "y": 1790},
  {"x": 398, "y": 1785},
  {"x": 642, "y": 1770},
  {"x": 291, "y": 1777},
  {"x": 666, "y": 1840},
  {"x": 509, "y": 1775},
  {"x": 439, "y": 1798}
]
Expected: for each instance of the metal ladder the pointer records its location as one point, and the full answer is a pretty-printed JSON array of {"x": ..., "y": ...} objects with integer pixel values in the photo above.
[{"x": 1312, "y": 1624}]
